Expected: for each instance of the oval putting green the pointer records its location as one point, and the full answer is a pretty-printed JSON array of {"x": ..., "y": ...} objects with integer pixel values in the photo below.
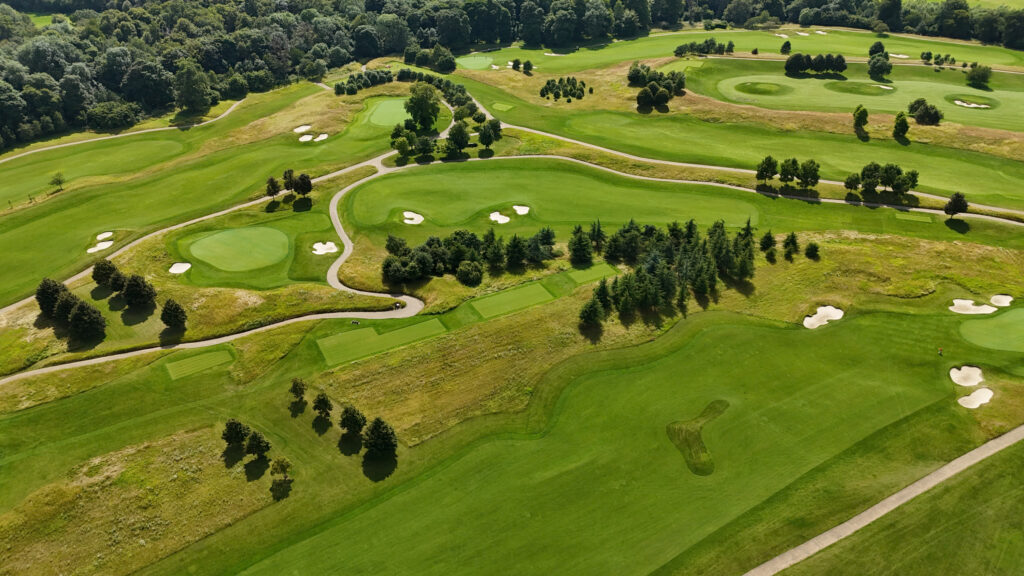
[
  {"x": 242, "y": 249},
  {"x": 388, "y": 112},
  {"x": 859, "y": 88},
  {"x": 475, "y": 62},
  {"x": 763, "y": 88},
  {"x": 1002, "y": 332}
]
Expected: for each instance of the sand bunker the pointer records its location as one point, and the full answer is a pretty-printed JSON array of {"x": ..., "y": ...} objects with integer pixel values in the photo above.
[
  {"x": 900, "y": 56},
  {"x": 803, "y": 34},
  {"x": 1001, "y": 300},
  {"x": 412, "y": 217},
  {"x": 783, "y": 35},
  {"x": 320, "y": 248},
  {"x": 499, "y": 218},
  {"x": 822, "y": 317},
  {"x": 969, "y": 307},
  {"x": 970, "y": 104},
  {"x": 966, "y": 375},
  {"x": 521, "y": 210},
  {"x": 179, "y": 267},
  {"x": 553, "y": 54},
  {"x": 495, "y": 67},
  {"x": 320, "y": 138},
  {"x": 822, "y": 32},
  {"x": 104, "y": 235},
  {"x": 301, "y": 129},
  {"x": 305, "y": 138},
  {"x": 100, "y": 246},
  {"x": 883, "y": 87},
  {"x": 976, "y": 398}
]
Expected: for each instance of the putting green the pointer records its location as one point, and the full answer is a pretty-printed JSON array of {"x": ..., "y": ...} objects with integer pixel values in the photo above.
[
  {"x": 475, "y": 62},
  {"x": 859, "y": 88},
  {"x": 198, "y": 363},
  {"x": 763, "y": 88},
  {"x": 388, "y": 112},
  {"x": 512, "y": 300},
  {"x": 355, "y": 344},
  {"x": 1002, "y": 332},
  {"x": 242, "y": 249},
  {"x": 502, "y": 106}
]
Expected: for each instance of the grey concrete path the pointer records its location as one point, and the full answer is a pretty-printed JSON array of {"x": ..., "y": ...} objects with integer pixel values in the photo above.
[{"x": 851, "y": 526}]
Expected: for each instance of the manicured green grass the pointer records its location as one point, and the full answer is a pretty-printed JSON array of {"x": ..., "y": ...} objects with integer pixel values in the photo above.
[
  {"x": 355, "y": 344},
  {"x": 241, "y": 249},
  {"x": 198, "y": 363},
  {"x": 972, "y": 523},
  {"x": 40, "y": 19},
  {"x": 847, "y": 42},
  {"x": 1004, "y": 331},
  {"x": 475, "y": 61},
  {"x": 388, "y": 113},
  {"x": 591, "y": 274},
  {"x": 511, "y": 300},
  {"x": 686, "y": 138},
  {"x": 764, "y": 83}
]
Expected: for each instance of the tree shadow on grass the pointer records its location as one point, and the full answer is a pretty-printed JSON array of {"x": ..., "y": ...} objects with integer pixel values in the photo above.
[
  {"x": 100, "y": 293},
  {"x": 745, "y": 287},
  {"x": 232, "y": 454},
  {"x": 958, "y": 226},
  {"x": 862, "y": 134},
  {"x": 137, "y": 315},
  {"x": 853, "y": 198},
  {"x": 424, "y": 159},
  {"x": 280, "y": 488},
  {"x": 350, "y": 444},
  {"x": 84, "y": 344},
  {"x": 117, "y": 303},
  {"x": 378, "y": 467},
  {"x": 272, "y": 206},
  {"x": 592, "y": 332},
  {"x": 485, "y": 153},
  {"x": 171, "y": 336},
  {"x": 256, "y": 468},
  {"x": 303, "y": 204},
  {"x": 321, "y": 425},
  {"x": 297, "y": 407}
]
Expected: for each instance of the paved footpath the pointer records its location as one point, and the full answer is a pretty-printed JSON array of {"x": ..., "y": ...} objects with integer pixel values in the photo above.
[{"x": 851, "y": 526}]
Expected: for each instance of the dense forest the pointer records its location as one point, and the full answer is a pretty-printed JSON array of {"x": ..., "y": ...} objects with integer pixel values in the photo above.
[{"x": 105, "y": 64}]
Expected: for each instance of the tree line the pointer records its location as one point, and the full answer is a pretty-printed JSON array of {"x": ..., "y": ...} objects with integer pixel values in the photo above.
[
  {"x": 890, "y": 176},
  {"x": 803, "y": 63},
  {"x": 805, "y": 173},
  {"x": 705, "y": 47},
  {"x": 464, "y": 254},
  {"x": 360, "y": 80}
]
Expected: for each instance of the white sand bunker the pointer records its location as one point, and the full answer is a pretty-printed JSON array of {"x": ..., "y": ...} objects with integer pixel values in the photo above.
[
  {"x": 783, "y": 35},
  {"x": 179, "y": 267},
  {"x": 900, "y": 56},
  {"x": 822, "y": 317},
  {"x": 970, "y": 104},
  {"x": 320, "y": 248},
  {"x": 803, "y": 34},
  {"x": 961, "y": 306},
  {"x": 305, "y": 138},
  {"x": 521, "y": 210},
  {"x": 100, "y": 246},
  {"x": 882, "y": 86},
  {"x": 320, "y": 138},
  {"x": 822, "y": 32},
  {"x": 1001, "y": 300},
  {"x": 412, "y": 217},
  {"x": 104, "y": 235},
  {"x": 976, "y": 398},
  {"x": 301, "y": 129},
  {"x": 553, "y": 54},
  {"x": 495, "y": 67},
  {"x": 500, "y": 218},
  {"x": 966, "y": 375}
]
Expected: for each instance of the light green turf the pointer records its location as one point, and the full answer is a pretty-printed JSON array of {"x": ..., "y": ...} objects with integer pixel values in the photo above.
[
  {"x": 972, "y": 523},
  {"x": 41, "y": 19},
  {"x": 242, "y": 249},
  {"x": 511, "y": 300},
  {"x": 389, "y": 112},
  {"x": 475, "y": 61},
  {"x": 846, "y": 42},
  {"x": 594, "y": 273},
  {"x": 198, "y": 363},
  {"x": 1003, "y": 331},
  {"x": 914, "y": 217},
  {"x": 502, "y": 107},
  {"x": 764, "y": 83},
  {"x": 685, "y": 138},
  {"x": 356, "y": 344}
]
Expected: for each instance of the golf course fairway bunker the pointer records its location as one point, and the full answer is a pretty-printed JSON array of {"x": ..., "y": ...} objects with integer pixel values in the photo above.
[
  {"x": 388, "y": 112},
  {"x": 242, "y": 249},
  {"x": 686, "y": 435},
  {"x": 355, "y": 344},
  {"x": 1001, "y": 332}
]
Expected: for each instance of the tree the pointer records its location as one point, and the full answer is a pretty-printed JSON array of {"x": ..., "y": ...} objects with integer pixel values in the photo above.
[
  {"x": 901, "y": 126},
  {"x": 234, "y": 432},
  {"x": 173, "y": 315},
  {"x": 485, "y": 135},
  {"x": 876, "y": 48},
  {"x": 811, "y": 251},
  {"x": 767, "y": 169},
  {"x": 889, "y": 174},
  {"x": 809, "y": 173},
  {"x": 192, "y": 87},
  {"x": 469, "y": 273},
  {"x": 527, "y": 67},
  {"x": 117, "y": 281},
  {"x": 380, "y": 439},
  {"x": 786, "y": 48},
  {"x": 603, "y": 295},
  {"x": 789, "y": 170},
  {"x": 352, "y": 420},
  {"x": 273, "y": 188},
  {"x": 870, "y": 176},
  {"x": 791, "y": 245},
  {"x": 303, "y": 185},
  {"x": 592, "y": 312},
  {"x": 322, "y": 405},
  {"x": 978, "y": 76},
  {"x": 66, "y": 302},
  {"x": 597, "y": 236},
  {"x": 102, "y": 270},
  {"x": 298, "y": 389},
  {"x": 138, "y": 293},
  {"x": 852, "y": 182},
  {"x": 86, "y": 322},
  {"x": 580, "y": 249},
  {"x": 644, "y": 98},
  {"x": 879, "y": 67},
  {"x": 767, "y": 241},
  {"x": 47, "y": 294},
  {"x": 257, "y": 445},
  {"x": 58, "y": 180},
  {"x": 423, "y": 105},
  {"x": 515, "y": 252},
  {"x": 860, "y": 118},
  {"x": 458, "y": 137},
  {"x": 957, "y": 205},
  {"x": 280, "y": 467},
  {"x": 288, "y": 178},
  {"x": 924, "y": 113}
]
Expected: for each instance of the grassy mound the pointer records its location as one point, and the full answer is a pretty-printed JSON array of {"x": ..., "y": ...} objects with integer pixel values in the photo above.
[
  {"x": 686, "y": 435},
  {"x": 240, "y": 250}
]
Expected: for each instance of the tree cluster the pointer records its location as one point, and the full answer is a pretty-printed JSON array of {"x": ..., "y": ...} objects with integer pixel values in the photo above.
[
  {"x": 526, "y": 67},
  {"x": 568, "y": 87},
  {"x": 356, "y": 82},
  {"x": 705, "y": 47},
  {"x": 301, "y": 184},
  {"x": 925, "y": 113},
  {"x": 978, "y": 75},
  {"x": 464, "y": 254},
  {"x": 806, "y": 173},
  {"x": 83, "y": 320},
  {"x": 454, "y": 94},
  {"x": 439, "y": 58},
  {"x": 379, "y": 437},
  {"x": 804, "y": 63},
  {"x": 890, "y": 176},
  {"x": 657, "y": 87}
]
